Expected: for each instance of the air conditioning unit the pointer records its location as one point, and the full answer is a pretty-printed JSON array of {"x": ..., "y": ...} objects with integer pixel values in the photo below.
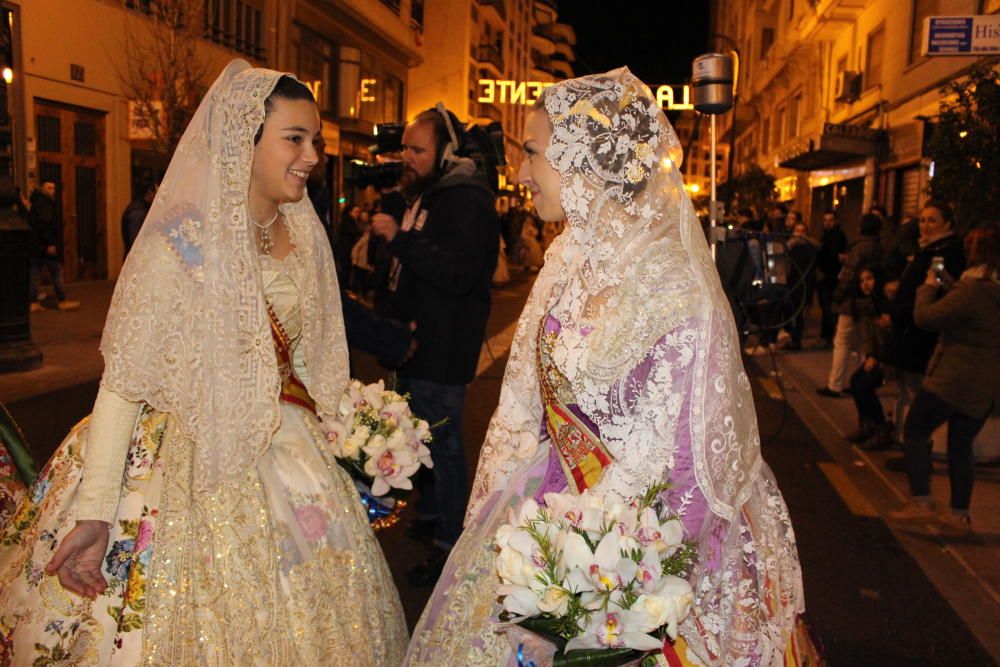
[{"x": 848, "y": 87}]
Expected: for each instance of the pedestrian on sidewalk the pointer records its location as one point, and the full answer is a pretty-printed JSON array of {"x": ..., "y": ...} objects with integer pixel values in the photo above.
[
  {"x": 863, "y": 252},
  {"x": 135, "y": 214},
  {"x": 45, "y": 222},
  {"x": 871, "y": 312},
  {"x": 832, "y": 244},
  {"x": 914, "y": 345},
  {"x": 802, "y": 253},
  {"x": 904, "y": 246},
  {"x": 962, "y": 384}
]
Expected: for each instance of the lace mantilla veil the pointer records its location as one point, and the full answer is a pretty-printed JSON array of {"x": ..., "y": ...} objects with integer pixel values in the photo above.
[
  {"x": 633, "y": 266},
  {"x": 188, "y": 329}
]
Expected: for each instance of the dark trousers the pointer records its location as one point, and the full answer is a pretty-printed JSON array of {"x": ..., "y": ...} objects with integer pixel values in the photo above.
[
  {"x": 863, "y": 386},
  {"x": 828, "y": 324},
  {"x": 927, "y": 413},
  {"x": 801, "y": 300},
  {"x": 54, "y": 267},
  {"x": 444, "y": 489}
]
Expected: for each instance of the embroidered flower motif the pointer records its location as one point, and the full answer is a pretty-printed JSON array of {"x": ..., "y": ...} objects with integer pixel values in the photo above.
[
  {"x": 119, "y": 560},
  {"x": 312, "y": 521}
]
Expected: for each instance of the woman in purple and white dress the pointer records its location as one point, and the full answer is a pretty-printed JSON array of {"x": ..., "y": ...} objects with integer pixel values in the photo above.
[{"x": 626, "y": 354}]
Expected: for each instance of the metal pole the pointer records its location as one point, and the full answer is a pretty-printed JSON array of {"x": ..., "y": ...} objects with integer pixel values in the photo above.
[{"x": 711, "y": 202}]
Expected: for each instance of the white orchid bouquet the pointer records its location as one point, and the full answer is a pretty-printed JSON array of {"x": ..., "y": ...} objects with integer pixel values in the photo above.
[
  {"x": 604, "y": 581},
  {"x": 381, "y": 444}
]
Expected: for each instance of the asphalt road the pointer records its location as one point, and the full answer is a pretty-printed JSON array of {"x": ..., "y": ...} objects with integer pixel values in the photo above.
[{"x": 869, "y": 601}]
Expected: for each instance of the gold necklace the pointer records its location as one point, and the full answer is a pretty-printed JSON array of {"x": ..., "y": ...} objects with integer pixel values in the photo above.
[{"x": 265, "y": 244}]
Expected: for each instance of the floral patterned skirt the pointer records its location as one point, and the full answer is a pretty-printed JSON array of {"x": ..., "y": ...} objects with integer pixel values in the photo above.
[
  {"x": 11, "y": 487},
  {"x": 277, "y": 568}
]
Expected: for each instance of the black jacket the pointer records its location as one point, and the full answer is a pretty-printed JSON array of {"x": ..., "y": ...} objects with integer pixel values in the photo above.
[
  {"x": 905, "y": 244},
  {"x": 914, "y": 346},
  {"x": 132, "y": 219},
  {"x": 444, "y": 283},
  {"x": 832, "y": 244},
  {"x": 865, "y": 252},
  {"x": 44, "y": 223}
]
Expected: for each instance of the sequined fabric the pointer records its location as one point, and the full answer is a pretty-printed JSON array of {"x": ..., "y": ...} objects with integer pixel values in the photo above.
[{"x": 277, "y": 566}]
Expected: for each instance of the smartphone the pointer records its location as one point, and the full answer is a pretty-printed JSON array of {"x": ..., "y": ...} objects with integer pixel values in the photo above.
[{"x": 937, "y": 265}]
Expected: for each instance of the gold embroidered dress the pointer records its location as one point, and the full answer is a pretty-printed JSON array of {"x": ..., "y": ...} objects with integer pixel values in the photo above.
[
  {"x": 235, "y": 537},
  {"x": 277, "y": 568}
]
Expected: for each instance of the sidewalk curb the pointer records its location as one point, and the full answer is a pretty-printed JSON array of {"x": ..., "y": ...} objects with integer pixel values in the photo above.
[{"x": 973, "y": 598}]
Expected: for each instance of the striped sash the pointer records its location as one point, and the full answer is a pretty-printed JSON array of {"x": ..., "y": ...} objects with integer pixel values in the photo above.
[
  {"x": 581, "y": 453},
  {"x": 292, "y": 389}
]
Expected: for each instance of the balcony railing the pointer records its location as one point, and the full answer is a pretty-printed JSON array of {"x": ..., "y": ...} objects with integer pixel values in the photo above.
[
  {"x": 394, "y": 5},
  {"x": 490, "y": 53},
  {"x": 499, "y": 5}
]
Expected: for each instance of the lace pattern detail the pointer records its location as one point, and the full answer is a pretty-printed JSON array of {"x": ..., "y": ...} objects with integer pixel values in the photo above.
[
  {"x": 649, "y": 346},
  {"x": 187, "y": 331}
]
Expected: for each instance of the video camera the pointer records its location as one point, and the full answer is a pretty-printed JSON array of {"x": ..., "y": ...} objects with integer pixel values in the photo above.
[{"x": 483, "y": 144}]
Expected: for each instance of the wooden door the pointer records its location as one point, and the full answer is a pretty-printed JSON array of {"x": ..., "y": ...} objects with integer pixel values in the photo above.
[{"x": 70, "y": 146}]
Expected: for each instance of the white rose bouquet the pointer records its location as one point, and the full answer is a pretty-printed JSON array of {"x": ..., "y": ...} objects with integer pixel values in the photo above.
[
  {"x": 381, "y": 444},
  {"x": 603, "y": 581}
]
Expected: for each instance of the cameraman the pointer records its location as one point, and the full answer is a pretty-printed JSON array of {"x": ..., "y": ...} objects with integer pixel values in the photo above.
[{"x": 444, "y": 254}]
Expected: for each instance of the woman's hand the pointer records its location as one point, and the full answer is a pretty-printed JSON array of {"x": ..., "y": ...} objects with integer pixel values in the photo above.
[{"x": 78, "y": 560}]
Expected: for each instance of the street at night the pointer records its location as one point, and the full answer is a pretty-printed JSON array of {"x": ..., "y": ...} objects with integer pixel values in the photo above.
[
  {"x": 867, "y": 591},
  {"x": 262, "y": 265}
]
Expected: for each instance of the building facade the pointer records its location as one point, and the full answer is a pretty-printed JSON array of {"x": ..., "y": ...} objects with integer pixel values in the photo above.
[
  {"x": 835, "y": 99},
  {"x": 487, "y": 60},
  {"x": 65, "y": 115},
  {"x": 693, "y": 131}
]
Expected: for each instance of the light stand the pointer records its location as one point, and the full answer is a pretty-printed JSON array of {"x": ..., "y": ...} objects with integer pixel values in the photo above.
[{"x": 712, "y": 90}]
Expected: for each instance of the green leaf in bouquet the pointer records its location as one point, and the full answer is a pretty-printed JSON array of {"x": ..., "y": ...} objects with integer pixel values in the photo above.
[
  {"x": 547, "y": 627},
  {"x": 679, "y": 563},
  {"x": 596, "y": 657},
  {"x": 652, "y": 495},
  {"x": 438, "y": 424}
]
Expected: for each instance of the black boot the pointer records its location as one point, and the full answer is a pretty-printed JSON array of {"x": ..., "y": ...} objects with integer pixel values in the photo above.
[
  {"x": 880, "y": 441},
  {"x": 866, "y": 429}
]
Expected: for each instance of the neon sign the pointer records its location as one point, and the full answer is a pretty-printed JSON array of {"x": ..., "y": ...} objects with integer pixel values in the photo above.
[
  {"x": 367, "y": 95},
  {"x": 494, "y": 91}
]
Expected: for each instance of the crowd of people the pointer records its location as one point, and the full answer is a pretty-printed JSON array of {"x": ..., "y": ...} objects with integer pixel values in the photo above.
[{"x": 915, "y": 304}]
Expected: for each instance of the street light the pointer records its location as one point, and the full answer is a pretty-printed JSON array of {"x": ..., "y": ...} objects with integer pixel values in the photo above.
[{"x": 8, "y": 75}]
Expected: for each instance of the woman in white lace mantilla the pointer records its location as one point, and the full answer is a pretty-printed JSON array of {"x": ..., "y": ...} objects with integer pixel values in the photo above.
[
  {"x": 197, "y": 516},
  {"x": 626, "y": 344}
]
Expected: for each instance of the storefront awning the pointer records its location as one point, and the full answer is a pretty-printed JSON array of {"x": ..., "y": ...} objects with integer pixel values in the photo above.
[{"x": 836, "y": 145}]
